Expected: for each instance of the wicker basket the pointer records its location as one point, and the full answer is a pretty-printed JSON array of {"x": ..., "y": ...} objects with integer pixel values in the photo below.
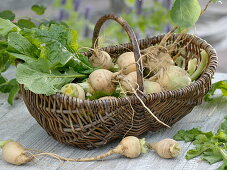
[{"x": 93, "y": 123}]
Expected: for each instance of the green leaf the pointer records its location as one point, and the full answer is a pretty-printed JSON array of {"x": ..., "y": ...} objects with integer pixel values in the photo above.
[
  {"x": 11, "y": 87},
  {"x": 2, "y": 79},
  {"x": 23, "y": 57},
  {"x": 7, "y": 14},
  {"x": 7, "y": 26},
  {"x": 21, "y": 45},
  {"x": 25, "y": 23},
  {"x": 185, "y": 13},
  {"x": 38, "y": 78},
  {"x": 39, "y": 9},
  {"x": 212, "y": 156},
  {"x": 192, "y": 153},
  {"x": 13, "y": 92},
  {"x": 4, "y": 61},
  {"x": 223, "y": 126},
  {"x": 3, "y": 45},
  {"x": 57, "y": 43},
  {"x": 222, "y": 85},
  {"x": 99, "y": 94},
  {"x": 8, "y": 85},
  {"x": 211, "y": 148},
  {"x": 190, "y": 135},
  {"x": 223, "y": 166}
]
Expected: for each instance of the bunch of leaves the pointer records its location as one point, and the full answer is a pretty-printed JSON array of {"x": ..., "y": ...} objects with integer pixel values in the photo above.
[
  {"x": 220, "y": 85},
  {"x": 48, "y": 57},
  {"x": 210, "y": 147},
  {"x": 6, "y": 26}
]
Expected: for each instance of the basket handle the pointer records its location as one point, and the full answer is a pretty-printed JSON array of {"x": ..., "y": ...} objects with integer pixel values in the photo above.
[{"x": 132, "y": 38}]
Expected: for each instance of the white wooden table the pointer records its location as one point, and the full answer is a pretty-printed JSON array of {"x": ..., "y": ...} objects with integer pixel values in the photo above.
[{"x": 16, "y": 123}]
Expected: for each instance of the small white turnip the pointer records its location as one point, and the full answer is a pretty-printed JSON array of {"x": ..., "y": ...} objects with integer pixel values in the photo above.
[
  {"x": 74, "y": 90},
  {"x": 15, "y": 153},
  {"x": 151, "y": 87},
  {"x": 126, "y": 62},
  {"x": 166, "y": 148},
  {"x": 101, "y": 80},
  {"x": 129, "y": 82},
  {"x": 101, "y": 59},
  {"x": 173, "y": 77}
]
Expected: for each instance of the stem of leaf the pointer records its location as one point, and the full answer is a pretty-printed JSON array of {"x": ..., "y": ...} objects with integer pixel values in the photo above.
[
  {"x": 69, "y": 76},
  {"x": 204, "y": 10},
  {"x": 224, "y": 154}
]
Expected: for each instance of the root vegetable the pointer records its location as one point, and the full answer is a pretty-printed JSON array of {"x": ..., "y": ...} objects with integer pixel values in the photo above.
[
  {"x": 173, "y": 77},
  {"x": 155, "y": 58},
  {"x": 129, "y": 82},
  {"x": 192, "y": 66},
  {"x": 166, "y": 148},
  {"x": 101, "y": 80},
  {"x": 73, "y": 90},
  {"x": 151, "y": 87},
  {"x": 130, "y": 147},
  {"x": 87, "y": 88},
  {"x": 126, "y": 62},
  {"x": 102, "y": 59},
  {"x": 14, "y": 153},
  {"x": 202, "y": 66},
  {"x": 180, "y": 61}
]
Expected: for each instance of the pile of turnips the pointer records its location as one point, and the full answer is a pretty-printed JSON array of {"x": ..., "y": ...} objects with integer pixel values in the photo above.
[
  {"x": 130, "y": 147},
  {"x": 163, "y": 69}
]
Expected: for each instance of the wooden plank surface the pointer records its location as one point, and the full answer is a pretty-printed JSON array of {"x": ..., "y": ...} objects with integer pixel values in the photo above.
[{"x": 17, "y": 124}]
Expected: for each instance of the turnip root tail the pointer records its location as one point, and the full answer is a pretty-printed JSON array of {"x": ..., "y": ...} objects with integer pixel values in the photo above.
[
  {"x": 166, "y": 148},
  {"x": 130, "y": 147},
  {"x": 99, "y": 157}
]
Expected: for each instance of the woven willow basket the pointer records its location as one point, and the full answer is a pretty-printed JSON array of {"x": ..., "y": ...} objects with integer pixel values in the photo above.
[{"x": 93, "y": 123}]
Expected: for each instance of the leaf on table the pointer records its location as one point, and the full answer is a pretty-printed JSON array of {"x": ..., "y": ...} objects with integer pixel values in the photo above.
[
  {"x": 40, "y": 79},
  {"x": 39, "y": 9},
  {"x": 212, "y": 156},
  {"x": 7, "y": 26},
  {"x": 211, "y": 147},
  {"x": 190, "y": 135},
  {"x": 223, "y": 126},
  {"x": 221, "y": 85},
  {"x": 223, "y": 166},
  {"x": 7, "y": 14},
  {"x": 185, "y": 13},
  {"x": 192, "y": 153}
]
